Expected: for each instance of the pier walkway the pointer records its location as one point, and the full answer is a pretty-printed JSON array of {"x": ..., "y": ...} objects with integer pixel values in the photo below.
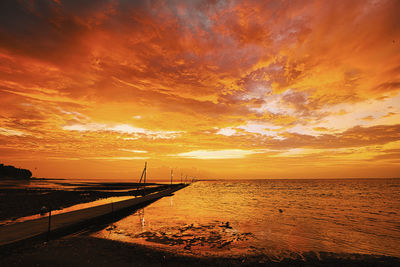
[{"x": 14, "y": 233}]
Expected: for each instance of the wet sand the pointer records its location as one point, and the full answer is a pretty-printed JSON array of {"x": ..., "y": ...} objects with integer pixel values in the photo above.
[{"x": 90, "y": 251}]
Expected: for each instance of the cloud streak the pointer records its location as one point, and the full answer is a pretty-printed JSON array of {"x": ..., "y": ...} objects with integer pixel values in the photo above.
[{"x": 216, "y": 154}]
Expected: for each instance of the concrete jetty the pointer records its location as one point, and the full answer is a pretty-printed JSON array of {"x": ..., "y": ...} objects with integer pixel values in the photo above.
[{"x": 18, "y": 232}]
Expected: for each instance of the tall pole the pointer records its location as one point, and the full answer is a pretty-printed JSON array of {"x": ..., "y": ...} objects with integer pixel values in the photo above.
[
  {"x": 145, "y": 172},
  {"x": 181, "y": 177},
  {"x": 172, "y": 174}
]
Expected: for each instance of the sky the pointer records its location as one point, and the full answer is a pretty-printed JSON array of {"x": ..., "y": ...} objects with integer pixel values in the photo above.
[{"x": 212, "y": 89}]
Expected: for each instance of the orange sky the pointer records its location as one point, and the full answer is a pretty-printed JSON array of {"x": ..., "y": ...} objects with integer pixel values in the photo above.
[{"x": 213, "y": 89}]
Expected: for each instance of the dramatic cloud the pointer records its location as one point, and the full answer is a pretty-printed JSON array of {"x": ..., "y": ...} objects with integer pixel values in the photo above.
[{"x": 269, "y": 88}]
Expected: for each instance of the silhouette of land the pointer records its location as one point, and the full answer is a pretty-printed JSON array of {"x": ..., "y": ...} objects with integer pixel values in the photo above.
[{"x": 10, "y": 172}]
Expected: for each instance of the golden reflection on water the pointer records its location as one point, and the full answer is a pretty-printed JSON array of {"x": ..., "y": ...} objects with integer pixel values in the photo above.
[{"x": 275, "y": 218}]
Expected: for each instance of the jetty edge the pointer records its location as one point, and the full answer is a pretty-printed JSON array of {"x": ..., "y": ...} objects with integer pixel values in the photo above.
[{"x": 69, "y": 222}]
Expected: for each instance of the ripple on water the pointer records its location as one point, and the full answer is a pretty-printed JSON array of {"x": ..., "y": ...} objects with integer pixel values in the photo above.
[{"x": 317, "y": 215}]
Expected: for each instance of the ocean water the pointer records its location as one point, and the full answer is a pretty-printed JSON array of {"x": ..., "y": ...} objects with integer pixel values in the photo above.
[{"x": 277, "y": 218}]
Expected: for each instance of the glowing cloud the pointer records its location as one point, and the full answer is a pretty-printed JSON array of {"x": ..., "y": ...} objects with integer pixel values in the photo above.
[
  {"x": 229, "y": 131},
  {"x": 134, "y": 151},
  {"x": 217, "y": 154},
  {"x": 10, "y": 132},
  {"x": 121, "y": 128}
]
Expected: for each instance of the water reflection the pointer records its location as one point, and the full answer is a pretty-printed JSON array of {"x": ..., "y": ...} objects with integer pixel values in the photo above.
[
  {"x": 275, "y": 218},
  {"x": 141, "y": 218}
]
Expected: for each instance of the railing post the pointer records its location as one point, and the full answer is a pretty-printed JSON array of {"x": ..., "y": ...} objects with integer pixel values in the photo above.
[{"x": 48, "y": 228}]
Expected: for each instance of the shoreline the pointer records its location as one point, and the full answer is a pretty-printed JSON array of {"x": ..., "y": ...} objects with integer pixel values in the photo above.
[{"x": 91, "y": 251}]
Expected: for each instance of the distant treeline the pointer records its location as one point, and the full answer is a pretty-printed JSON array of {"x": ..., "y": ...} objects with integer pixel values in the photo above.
[{"x": 14, "y": 173}]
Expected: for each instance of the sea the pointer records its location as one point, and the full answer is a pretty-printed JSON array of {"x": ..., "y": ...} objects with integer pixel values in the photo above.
[{"x": 276, "y": 218}]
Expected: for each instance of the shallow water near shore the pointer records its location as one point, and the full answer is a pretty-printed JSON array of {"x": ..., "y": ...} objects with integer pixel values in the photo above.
[{"x": 276, "y": 218}]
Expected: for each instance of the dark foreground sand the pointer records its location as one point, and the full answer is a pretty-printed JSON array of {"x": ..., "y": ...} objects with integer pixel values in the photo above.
[{"x": 90, "y": 251}]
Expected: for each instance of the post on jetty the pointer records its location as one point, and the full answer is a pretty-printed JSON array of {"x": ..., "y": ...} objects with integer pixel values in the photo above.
[
  {"x": 49, "y": 227},
  {"x": 145, "y": 172},
  {"x": 172, "y": 175},
  {"x": 143, "y": 176}
]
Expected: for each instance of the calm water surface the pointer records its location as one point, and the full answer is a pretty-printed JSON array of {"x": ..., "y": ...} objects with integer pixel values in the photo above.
[{"x": 277, "y": 218}]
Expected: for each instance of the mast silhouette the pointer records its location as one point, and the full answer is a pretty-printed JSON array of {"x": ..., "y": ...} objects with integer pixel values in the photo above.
[{"x": 144, "y": 174}]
